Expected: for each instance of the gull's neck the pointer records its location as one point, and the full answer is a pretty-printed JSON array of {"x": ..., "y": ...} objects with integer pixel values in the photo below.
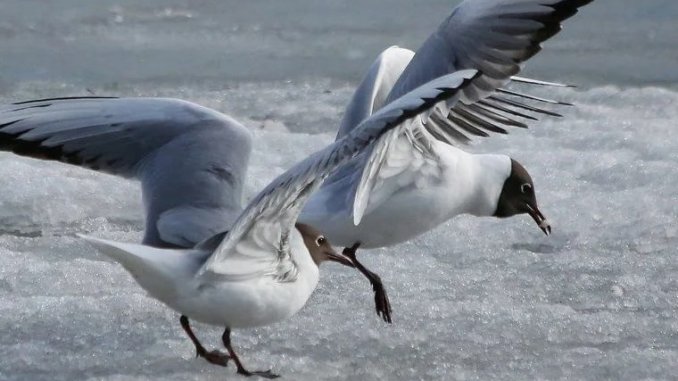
[
  {"x": 308, "y": 273},
  {"x": 487, "y": 174}
]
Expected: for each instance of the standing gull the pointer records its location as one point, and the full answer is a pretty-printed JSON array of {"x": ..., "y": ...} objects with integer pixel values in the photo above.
[
  {"x": 266, "y": 267},
  {"x": 191, "y": 160}
]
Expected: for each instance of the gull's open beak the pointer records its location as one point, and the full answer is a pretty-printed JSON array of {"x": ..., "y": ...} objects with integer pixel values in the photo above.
[
  {"x": 339, "y": 257},
  {"x": 539, "y": 219}
]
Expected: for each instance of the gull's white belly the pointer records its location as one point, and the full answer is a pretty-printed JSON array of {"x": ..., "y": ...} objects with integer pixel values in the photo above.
[
  {"x": 402, "y": 216},
  {"x": 242, "y": 304},
  {"x": 249, "y": 298},
  {"x": 412, "y": 201}
]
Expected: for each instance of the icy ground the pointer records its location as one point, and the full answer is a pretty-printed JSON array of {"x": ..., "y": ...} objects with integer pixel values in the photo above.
[{"x": 476, "y": 299}]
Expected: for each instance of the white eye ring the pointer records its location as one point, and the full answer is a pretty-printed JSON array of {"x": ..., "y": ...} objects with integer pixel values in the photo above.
[
  {"x": 320, "y": 240},
  {"x": 525, "y": 187}
]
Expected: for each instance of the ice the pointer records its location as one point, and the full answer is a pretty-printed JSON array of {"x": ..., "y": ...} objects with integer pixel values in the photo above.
[
  {"x": 475, "y": 299},
  {"x": 183, "y": 42}
]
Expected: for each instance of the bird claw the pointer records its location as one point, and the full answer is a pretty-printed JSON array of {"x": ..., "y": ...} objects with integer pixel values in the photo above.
[{"x": 381, "y": 301}]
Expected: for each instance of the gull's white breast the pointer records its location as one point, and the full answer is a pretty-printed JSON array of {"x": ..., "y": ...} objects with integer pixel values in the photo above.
[
  {"x": 256, "y": 301},
  {"x": 415, "y": 195}
]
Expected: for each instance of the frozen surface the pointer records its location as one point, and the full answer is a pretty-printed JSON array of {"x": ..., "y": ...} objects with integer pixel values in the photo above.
[
  {"x": 115, "y": 42},
  {"x": 475, "y": 299}
]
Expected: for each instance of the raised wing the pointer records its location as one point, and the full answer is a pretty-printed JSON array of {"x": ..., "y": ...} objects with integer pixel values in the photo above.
[
  {"x": 375, "y": 87},
  {"x": 494, "y": 37},
  {"x": 191, "y": 160},
  {"x": 282, "y": 200}
]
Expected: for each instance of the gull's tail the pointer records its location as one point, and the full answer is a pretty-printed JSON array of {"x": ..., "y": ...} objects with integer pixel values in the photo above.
[{"x": 157, "y": 270}]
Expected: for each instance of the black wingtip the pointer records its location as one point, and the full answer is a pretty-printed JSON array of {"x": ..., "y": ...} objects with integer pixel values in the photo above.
[{"x": 61, "y": 99}]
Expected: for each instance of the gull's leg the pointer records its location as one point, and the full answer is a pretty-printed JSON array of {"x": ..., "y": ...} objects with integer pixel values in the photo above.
[
  {"x": 226, "y": 338},
  {"x": 382, "y": 304},
  {"x": 213, "y": 357}
]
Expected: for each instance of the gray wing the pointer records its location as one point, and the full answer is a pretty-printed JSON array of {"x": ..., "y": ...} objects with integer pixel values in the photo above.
[
  {"x": 281, "y": 201},
  {"x": 494, "y": 37},
  {"x": 191, "y": 160}
]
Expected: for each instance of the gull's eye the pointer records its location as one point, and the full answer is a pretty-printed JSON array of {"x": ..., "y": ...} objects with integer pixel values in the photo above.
[
  {"x": 525, "y": 187},
  {"x": 320, "y": 240}
]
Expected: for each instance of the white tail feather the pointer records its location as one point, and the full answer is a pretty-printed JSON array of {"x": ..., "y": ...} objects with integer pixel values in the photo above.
[{"x": 156, "y": 270}]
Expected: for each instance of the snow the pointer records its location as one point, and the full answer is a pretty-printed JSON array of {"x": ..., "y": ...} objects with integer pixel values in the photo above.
[{"x": 475, "y": 299}]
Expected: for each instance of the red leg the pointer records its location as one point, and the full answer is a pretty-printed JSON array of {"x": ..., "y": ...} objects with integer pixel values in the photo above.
[
  {"x": 226, "y": 338},
  {"x": 213, "y": 357},
  {"x": 382, "y": 304}
]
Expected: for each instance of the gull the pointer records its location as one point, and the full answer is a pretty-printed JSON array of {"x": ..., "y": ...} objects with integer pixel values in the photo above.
[
  {"x": 264, "y": 269},
  {"x": 418, "y": 176},
  {"x": 192, "y": 161}
]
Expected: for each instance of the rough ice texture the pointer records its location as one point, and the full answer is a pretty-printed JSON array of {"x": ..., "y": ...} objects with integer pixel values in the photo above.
[
  {"x": 183, "y": 42},
  {"x": 475, "y": 299}
]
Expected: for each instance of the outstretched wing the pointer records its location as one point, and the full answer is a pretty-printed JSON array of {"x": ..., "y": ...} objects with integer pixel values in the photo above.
[
  {"x": 281, "y": 201},
  {"x": 191, "y": 160},
  {"x": 494, "y": 37}
]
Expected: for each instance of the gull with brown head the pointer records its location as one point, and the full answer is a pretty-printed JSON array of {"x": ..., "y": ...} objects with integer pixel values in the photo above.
[{"x": 266, "y": 267}]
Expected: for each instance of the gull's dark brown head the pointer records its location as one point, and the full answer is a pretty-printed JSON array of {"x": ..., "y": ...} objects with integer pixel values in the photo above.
[
  {"x": 518, "y": 197},
  {"x": 320, "y": 247}
]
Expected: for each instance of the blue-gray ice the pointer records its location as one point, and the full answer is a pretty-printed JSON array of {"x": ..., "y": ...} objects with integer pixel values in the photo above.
[{"x": 474, "y": 299}]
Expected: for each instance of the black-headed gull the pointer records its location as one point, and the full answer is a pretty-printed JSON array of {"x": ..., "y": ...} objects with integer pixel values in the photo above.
[
  {"x": 418, "y": 177},
  {"x": 266, "y": 267}
]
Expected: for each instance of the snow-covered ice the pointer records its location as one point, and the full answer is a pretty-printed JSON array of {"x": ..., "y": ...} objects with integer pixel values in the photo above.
[{"x": 476, "y": 299}]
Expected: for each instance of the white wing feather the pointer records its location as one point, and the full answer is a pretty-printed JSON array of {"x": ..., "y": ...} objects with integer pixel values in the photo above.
[{"x": 405, "y": 149}]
